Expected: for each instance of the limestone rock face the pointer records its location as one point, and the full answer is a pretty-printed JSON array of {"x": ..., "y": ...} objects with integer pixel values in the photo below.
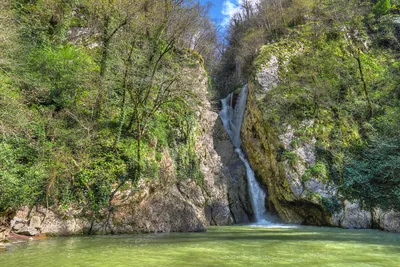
[
  {"x": 216, "y": 182},
  {"x": 268, "y": 76},
  {"x": 235, "y": 173},
  {"x": 284, "y": 157},
  {"x": 171, "y": 210},
  {"x": 352, "y": 216},
  {"x": 386, "y": 220},
  {"x": 311, "y": 200},
  {"x": 284, "y": 195}
]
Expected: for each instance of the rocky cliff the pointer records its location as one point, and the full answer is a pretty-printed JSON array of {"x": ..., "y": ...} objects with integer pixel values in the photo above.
[
  {"x": 167, "y": 203},
  {"x": 285, "y": 156},
  {"x": 261, "y": 144},
  {"x": 235, "y": 172}
]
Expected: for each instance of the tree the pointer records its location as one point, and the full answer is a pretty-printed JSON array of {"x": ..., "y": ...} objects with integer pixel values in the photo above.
[
  {"x": 151, "y": 80},
  {"x": 107, "y": 18}
]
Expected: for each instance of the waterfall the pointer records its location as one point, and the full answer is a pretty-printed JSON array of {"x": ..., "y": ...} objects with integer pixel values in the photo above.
[{"x": 232, "y": 114}]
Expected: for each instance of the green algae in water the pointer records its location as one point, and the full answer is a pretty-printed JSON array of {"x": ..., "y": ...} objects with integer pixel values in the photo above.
[{"x": 219, "y": 246}]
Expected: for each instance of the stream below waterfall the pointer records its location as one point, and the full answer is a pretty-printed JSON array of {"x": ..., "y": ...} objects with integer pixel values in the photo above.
[{"x": 219, "y": 246}]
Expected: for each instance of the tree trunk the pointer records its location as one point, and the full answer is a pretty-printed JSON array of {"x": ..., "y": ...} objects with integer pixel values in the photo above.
[
  {"x": 124, "y": 84},
  {"x": 139, "y": 138},
  {"x": 122, "y": 117},
  {"x": 358, "y": 58},
  {"x": 103, "y": 67}
]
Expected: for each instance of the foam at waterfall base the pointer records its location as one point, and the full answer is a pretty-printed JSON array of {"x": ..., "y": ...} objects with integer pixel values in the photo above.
[{"x": 268, "y": 224}]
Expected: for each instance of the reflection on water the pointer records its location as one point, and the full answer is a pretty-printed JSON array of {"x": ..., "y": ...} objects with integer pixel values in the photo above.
[{"x": 221, "y": 246}]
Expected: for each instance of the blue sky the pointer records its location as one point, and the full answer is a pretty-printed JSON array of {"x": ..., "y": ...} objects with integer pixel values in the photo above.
[
  {"x": 222, "y": 10},
  {"x": 216, "y": 10}
]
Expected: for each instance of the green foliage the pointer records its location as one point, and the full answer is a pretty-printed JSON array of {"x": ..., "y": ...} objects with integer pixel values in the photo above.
[
  {"x": 22, "y": 175},
  {"x": 187, "y": 162},
  {"x": 373, "y": 176},
  {"x": 290, "y": 156},
  {"x": 317, "y": 171},
  {"x": 382, "y": 7},
  {"x": 249, "y": 30},
  {"x": 61, "y": 72},
  {"x": 188, "y": 166},
  {"x": 91, "y": 94},
  {"x": 331, "y": 205},
  {"x": 97, "y": 179}
]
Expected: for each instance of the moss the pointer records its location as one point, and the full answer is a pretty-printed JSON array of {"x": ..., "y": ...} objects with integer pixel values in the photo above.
[{"x": 317, "y": 171}]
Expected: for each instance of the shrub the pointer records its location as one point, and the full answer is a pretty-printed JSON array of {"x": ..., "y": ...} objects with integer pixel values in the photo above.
[
  {"x": 382, "y": 7},
  {"x": 374, "y": 175},
  {"x": 317, "y": 171},
  {"x": 332, "y": 205},
  {"x": 290, "y": 156}
]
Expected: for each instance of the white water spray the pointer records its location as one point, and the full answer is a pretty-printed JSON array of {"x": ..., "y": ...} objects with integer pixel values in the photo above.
[{"x": 232, "y": 117}]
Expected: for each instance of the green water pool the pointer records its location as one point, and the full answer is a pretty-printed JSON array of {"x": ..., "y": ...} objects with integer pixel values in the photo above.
[{"x": 219, "y": 246}]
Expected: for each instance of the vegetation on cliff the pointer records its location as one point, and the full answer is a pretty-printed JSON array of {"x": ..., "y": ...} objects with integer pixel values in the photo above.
[
  {"x": 92, "y": 93},
  {"x": 96, "y": 95},
  {"x": 336, "y": 82}
]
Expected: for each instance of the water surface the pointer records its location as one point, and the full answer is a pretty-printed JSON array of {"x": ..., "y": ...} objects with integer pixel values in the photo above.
[{"x": 219, "y": 246}]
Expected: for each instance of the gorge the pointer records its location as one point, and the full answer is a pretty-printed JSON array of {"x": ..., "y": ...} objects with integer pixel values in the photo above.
[{"x": 135, "y": 132}]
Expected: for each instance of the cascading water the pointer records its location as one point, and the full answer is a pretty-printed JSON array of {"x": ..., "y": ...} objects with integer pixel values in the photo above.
[{"x": 232, "y": 117}]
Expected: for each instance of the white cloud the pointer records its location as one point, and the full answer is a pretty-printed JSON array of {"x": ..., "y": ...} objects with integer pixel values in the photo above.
[
  {"x": 229, "y": 9},
  {"x": 232, "y": 7}
]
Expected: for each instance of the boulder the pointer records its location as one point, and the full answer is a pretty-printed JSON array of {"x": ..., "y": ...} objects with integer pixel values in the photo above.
[
  {"x": 18, "y": 223},
  {"x": 48, "y": 221},
  {"x": 218, "y": 214},
  {"x": 386, "y": 220},
  {"x": 18, "y": 226},
  {"x": 168, "y": 211},
  {"x": 35, "y": 222},
  {"x": 355, "y": 217},
  {"x": 28, "y": 231}
]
